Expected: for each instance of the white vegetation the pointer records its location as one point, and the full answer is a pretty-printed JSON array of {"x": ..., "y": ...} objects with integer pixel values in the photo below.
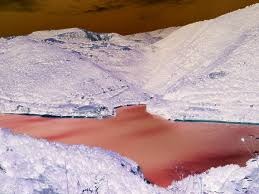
[
  {"x": 34, "y": 166},
  {"x": 30, "y": 166},
  {"x": 206, "y": 70},
  {"x": 209, "y": 70}
]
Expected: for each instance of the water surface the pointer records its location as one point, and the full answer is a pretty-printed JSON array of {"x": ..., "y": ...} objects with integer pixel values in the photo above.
[{"x": 166, "y": 151}]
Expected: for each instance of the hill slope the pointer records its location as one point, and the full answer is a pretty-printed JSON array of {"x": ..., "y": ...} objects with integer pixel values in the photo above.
[{"x": 206, "y": 71}]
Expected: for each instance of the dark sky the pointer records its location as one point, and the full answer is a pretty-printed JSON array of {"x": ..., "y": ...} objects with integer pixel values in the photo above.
[{"x": 122, "y": 16}]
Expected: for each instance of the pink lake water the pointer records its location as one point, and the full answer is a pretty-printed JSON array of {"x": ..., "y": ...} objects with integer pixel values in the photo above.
[{"x": 166, "y": 151}]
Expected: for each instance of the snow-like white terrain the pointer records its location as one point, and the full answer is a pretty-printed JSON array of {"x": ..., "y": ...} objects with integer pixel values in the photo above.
[
  {"x": 229, "y": 179},
  {"x": 30, "y": 166},
  {"x": 64, "y": 75},
  {"x": 203, "y": 71},
  {"x": 207, "y": 71}
]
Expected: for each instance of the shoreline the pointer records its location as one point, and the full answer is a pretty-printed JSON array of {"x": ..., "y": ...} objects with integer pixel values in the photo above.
[{"x": 165, "y": 150}]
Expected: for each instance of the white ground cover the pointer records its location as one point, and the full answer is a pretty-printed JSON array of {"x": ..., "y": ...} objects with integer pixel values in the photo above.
[
  {"x": 30, "y": 166},
  {"x": 208, "y": 70}
]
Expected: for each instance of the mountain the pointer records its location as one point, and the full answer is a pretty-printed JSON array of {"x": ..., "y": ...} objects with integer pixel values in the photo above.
[
  {"x": 65, "y": 73},
  {"x": 208, "y": 70},
  {"x": 203, "y": 71}
]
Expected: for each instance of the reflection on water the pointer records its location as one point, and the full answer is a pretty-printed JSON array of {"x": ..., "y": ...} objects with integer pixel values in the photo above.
[{"x": 122, "y": 16}]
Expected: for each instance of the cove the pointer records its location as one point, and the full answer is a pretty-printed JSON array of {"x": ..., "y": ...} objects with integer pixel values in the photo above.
[{"x": 165, "y": 150}]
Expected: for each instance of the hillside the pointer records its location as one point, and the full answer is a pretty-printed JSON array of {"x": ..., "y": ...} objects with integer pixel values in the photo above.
[{"x": 208, "y": 70}]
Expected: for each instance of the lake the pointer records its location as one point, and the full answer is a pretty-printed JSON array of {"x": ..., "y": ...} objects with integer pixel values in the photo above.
[{"x": 166, "y": 151}]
